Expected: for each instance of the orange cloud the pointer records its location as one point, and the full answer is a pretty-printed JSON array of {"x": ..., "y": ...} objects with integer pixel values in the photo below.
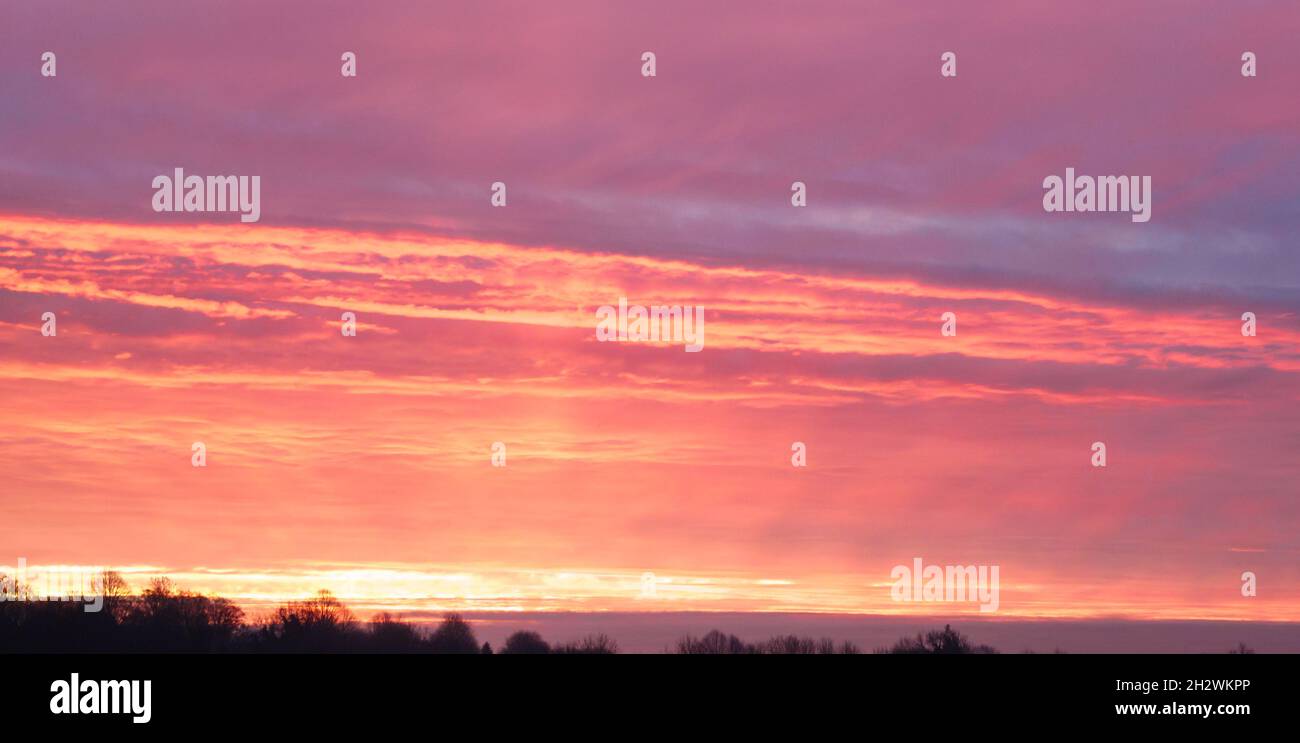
[{"x": 369, "y": 455}]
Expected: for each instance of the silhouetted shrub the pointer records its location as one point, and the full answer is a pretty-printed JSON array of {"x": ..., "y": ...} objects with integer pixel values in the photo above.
[
  {"x": 717, "y": 643},
  {"x": 600, "y": 644},
  {"x": 790, "y": 645},
  {"x": 937, "y": 642},
  {"x": 525, "y": 643},
  {"x": 714, "y": 643},
  {"x": 388, "y": 634}
]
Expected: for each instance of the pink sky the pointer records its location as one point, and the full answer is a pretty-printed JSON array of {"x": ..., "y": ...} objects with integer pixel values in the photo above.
[{"x": 362, "y": 464}]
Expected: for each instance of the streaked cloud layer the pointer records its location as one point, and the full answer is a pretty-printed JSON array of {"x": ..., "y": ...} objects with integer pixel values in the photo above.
[
  {"x": 361, "y": 463},
  {"x": 375, "y": 448}
]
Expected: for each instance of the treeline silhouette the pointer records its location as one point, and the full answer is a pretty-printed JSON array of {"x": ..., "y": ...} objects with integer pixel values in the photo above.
[
  {"x": 946, "y": 641},
  {"x": 163, "y": 619}
]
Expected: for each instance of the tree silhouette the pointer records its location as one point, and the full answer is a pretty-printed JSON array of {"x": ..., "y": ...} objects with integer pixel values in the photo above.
[
  {"x": 937, "y": 642},
  {"x": 717, "y": 643},
  {"x": 320, "y": 623},
  {"x": 454, "y": 635},
  {"x": 598, "y": 644},
  {"x": 162, "y": 618},
  {"x": 388, "y": 634},
  {"x": 525, "y": 643},
  {"x": 714, "y": 643}
]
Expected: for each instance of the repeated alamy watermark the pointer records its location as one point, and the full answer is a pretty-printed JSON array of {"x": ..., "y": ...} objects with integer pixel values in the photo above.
[
  {"x": 952, "y": 583},
  {"x": 662, "y": 323},
  {"x": 54, "y": 583},
  {"x": 215, "y": 193},
  {"x": 1107, "y": 193}
]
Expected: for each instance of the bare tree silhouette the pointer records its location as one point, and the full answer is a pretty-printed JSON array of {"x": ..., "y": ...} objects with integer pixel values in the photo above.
[
  {"x": 714, "y": 643},
  {"x": 321, "y": 623},
  {"x": 598, "y": 644},
  {"x": 937, "y": 642}
]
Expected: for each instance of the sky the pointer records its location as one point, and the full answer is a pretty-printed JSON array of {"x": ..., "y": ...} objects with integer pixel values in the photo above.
[{"x": 363, "y": 464}]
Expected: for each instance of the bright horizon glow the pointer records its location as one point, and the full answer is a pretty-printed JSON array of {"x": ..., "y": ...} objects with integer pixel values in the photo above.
[{"x": 369, "y": 590}]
